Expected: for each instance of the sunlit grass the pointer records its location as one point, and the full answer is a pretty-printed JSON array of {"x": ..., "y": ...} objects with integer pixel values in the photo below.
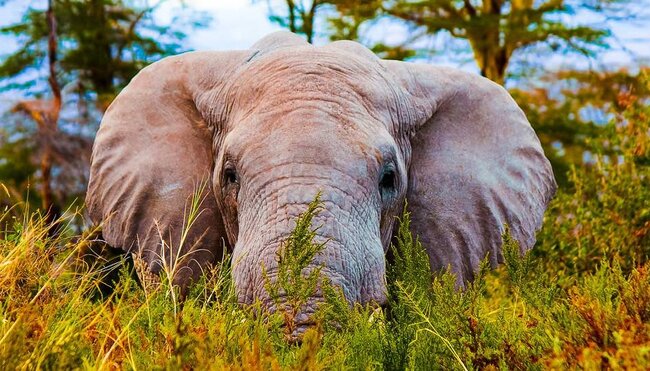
[{"x": 517, "y": 317}]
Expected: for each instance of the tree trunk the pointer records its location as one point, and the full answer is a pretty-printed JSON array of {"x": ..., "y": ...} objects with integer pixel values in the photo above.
[
  {"x": 292, "y": 16},
  {"x": 489, "y": 50},
  {"x": 50, "y": 119},
  {"x": 492, "y": 62},
  {"x": 308, "y": 22}
]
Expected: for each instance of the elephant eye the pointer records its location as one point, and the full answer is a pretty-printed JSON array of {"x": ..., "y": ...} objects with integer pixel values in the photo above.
[
  {"x": 387, "y": 184},
  {"x": 230, "y": 176}
]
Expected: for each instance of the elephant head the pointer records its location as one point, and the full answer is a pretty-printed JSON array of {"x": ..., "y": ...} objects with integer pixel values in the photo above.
[{"x": 267, "y": 128}]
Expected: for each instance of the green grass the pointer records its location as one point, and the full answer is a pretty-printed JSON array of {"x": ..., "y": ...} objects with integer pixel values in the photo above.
[{"x": 580, "y": 299}]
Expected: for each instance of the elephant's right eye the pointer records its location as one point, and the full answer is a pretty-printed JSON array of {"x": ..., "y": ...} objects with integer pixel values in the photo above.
[
  {"x": 387, "y": 183},
  {"x": 230, "y": 176}
]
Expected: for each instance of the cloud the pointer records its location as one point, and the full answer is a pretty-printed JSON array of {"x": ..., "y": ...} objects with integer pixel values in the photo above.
[{"x": 236, "y": 24}]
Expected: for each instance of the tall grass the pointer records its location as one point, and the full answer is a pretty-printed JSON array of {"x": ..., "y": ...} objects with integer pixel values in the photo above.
[{"x": 580, "y": 299}]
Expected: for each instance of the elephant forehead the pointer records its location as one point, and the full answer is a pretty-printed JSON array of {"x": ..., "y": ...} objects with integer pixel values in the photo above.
[
  {"x": 327, "y": 76},
  {"x": 310, "y": 129},
  {"x": 301, "y": 136}
]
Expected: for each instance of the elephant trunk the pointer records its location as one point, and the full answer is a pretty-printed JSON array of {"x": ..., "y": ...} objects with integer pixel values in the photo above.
[{"x": 351, "y": 260}]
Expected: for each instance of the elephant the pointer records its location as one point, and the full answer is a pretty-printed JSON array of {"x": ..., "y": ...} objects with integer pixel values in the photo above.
[{"x": 255, "y": 134}]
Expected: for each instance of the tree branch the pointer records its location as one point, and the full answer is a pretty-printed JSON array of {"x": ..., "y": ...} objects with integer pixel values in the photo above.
[
  {"x": 52, "y": 54},
  {"x": 470, "y": 8}
]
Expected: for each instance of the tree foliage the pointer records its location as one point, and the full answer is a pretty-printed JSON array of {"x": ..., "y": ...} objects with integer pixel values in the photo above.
[
  {"x": 570, "y": 109},
  {"x": 496, "y": 29},
  {"x": 92, "y": 49},
  {"x": 336, "y": 20},
  {"x": 300, "y": 16},
  {"x": 102, "y": 44}
]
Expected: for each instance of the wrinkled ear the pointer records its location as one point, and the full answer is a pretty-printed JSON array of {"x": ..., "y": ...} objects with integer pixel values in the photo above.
[
  {"x": 153, "y": 151},
  {"x": 476, "y": 165}
]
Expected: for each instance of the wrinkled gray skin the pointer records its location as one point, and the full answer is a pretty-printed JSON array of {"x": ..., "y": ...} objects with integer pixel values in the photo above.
[{"x": 270, "y": 126}]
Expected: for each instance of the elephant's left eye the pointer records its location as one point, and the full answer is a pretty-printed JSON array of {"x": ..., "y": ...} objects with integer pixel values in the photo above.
[
  {"x": 230, "y": 176},
  {"x": 387, "y": 184}
]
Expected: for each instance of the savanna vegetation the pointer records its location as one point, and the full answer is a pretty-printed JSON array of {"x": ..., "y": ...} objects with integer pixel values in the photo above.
[{"x": 579, "y": 299}]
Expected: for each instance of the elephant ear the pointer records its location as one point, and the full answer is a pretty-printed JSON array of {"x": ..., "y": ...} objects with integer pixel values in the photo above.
[
  {"x": 476, "y": 165},
  {"x": 153, "y": 152}
]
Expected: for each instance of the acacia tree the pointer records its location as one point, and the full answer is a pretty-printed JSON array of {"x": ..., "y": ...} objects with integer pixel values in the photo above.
[
  {"x": 102, "y": 44},
  {"x": 92, "y": 49},
  {"x": 495, "y": 29}
]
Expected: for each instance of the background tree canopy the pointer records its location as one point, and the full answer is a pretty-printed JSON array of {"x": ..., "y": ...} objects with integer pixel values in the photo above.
[{"x": 92, "y": 49}]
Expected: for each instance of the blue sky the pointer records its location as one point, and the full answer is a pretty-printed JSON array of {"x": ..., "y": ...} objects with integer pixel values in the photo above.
[{"x": 237, "y": 24}]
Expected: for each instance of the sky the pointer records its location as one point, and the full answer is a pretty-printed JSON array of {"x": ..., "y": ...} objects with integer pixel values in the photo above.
[{"x": 237, "y": 24}]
